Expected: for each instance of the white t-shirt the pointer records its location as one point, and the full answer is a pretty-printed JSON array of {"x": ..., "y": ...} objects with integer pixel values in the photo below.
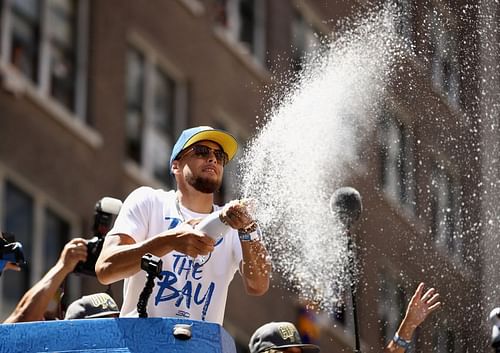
[{"x": 189, "y": 289}]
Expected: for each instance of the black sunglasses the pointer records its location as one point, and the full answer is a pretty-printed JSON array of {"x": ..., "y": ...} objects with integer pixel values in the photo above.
[{"x": 202, "y": 151}]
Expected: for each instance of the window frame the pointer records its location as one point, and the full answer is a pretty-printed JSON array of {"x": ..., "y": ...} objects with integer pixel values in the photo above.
[
  {"x": 403, "y": 188},
  {"x": 447, "y": 340},
  {"x": 445, "y": 66},
  {"x": 41, "y": 202},
  {"x": 405, "y": 23},
  {"x": 144, "y": 170},
  {"x": 391, "y": 308},
  {"x": 449, "y": 240},
  {"x": 232, "y": 28},
  {"x": 305, "y": 38},
  {"x": 41, "y": 86}
]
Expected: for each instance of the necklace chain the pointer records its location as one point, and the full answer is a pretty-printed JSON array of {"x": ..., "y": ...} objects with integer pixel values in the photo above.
[{"x": 178, "y": 207}]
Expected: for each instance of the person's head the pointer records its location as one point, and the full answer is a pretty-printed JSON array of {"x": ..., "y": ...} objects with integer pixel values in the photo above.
[
  {"x": 280, "y": 337},
  {"x": 97, "y": 305},
  {"x": 199, "y": 156}
]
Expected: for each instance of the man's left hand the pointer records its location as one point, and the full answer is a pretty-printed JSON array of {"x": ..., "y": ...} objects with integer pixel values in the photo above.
[{"x": 236, "y": 215}]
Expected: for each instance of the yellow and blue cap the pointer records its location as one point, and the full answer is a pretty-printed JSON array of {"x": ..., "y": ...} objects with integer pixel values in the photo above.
[{"x": 204, "y": 133}]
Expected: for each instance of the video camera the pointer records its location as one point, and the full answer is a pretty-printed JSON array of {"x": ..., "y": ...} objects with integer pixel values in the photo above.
[
  {"x": 153, "y": 266},
  {"x": 105, "y": 209},
  {"x": 10, "y": 251}
]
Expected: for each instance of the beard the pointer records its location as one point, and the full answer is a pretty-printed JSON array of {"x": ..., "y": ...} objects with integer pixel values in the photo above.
[{"x": 204, "y": 185}]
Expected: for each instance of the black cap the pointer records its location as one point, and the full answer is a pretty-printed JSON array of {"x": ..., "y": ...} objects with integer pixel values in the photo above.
[
  {"x": 278, "y": 335},
  {"x": 92, "y": 306}
]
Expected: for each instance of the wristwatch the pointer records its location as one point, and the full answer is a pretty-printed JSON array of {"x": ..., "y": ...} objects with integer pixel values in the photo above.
[{"x": 401, "y": 341}]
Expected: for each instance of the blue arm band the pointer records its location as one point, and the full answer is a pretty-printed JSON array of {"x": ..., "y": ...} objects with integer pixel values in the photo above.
[
  {"x": 255, "y": 235},
  {"x": 401, "y": 341}
]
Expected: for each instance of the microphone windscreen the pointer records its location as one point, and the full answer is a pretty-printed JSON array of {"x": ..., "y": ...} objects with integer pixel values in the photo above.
[
  {"x": 346, "y": 204},
  {"x": 109, "y": 205}
]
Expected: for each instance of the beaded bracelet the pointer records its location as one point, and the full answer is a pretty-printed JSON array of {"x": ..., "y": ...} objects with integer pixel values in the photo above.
[{"x": 252, "y": 227}]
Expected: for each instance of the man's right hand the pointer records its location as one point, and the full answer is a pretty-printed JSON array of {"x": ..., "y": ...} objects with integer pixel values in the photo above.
[
  {"x": 121, "y": 255},
  {"x": 191, "y": 242}
]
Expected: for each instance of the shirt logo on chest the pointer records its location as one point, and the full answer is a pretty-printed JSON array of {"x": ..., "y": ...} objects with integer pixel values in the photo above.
[
  {"x": 174, "y": 222},
  {"x": 184, "y": 286}
]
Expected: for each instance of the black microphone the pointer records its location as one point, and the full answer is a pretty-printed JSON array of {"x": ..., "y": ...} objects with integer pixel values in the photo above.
[{"x": 346, "y": 204}]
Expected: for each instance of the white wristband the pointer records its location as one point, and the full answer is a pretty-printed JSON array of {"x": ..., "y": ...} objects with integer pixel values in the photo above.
[{"x": 256, "y": 235}]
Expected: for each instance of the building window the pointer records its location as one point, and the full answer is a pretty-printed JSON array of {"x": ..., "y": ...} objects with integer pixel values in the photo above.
[
  {"x": 245, "y": 22},
  {"x": 153, "y": 112},
  {"x": 56, "y": 235},
  {"x": 405, "y": 20},
  {"x": 62, "y": 38},
  {"x": 445, "y": 341},
  {"x": 220, "y": 15},
  {"x": 446, "y": 218},
  {"x": 46, "y": 42},
  {"x": 397, "y": 155},
  {"x": 135, "y": 106},
  {"x": 305, "y": 41},
  {"x": 391, "y": 308},
  {"x": 248, "y": 23},
  {"x": 18, "y": 219},
  {"x": 26, "y": 216},
  {"x": 162, "y": 133},
  {"x": 445, "y": 66},
  {"x": 25, "y": 19}
]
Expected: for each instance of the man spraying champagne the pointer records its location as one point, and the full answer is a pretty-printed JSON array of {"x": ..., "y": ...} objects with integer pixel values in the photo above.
[{"x": 163, "y": 223}]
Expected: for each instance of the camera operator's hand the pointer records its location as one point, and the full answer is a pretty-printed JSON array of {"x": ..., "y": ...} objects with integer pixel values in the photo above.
[
  {"x": 12, "y": 266},
  {"x": 236, "y": 214},
  {"x": 35, "y": 301},
  {"x": 74, "y": 252},
  {"x": 190, "y": 241}
]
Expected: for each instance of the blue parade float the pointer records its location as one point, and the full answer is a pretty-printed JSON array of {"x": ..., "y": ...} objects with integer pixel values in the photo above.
[{"x": 113, "y": 335}]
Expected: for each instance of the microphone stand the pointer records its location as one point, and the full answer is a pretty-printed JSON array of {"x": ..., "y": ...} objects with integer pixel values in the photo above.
[{"x": 352, "y": 272}]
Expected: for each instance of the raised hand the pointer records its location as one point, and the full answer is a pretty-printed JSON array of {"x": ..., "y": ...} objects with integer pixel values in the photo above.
[
  {"x": 74, "y": 251},
  {"x": 421, "y": 305}
]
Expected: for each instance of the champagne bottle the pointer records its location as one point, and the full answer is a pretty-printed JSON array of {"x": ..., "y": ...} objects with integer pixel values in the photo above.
[{"x": 212, "y": 225}]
